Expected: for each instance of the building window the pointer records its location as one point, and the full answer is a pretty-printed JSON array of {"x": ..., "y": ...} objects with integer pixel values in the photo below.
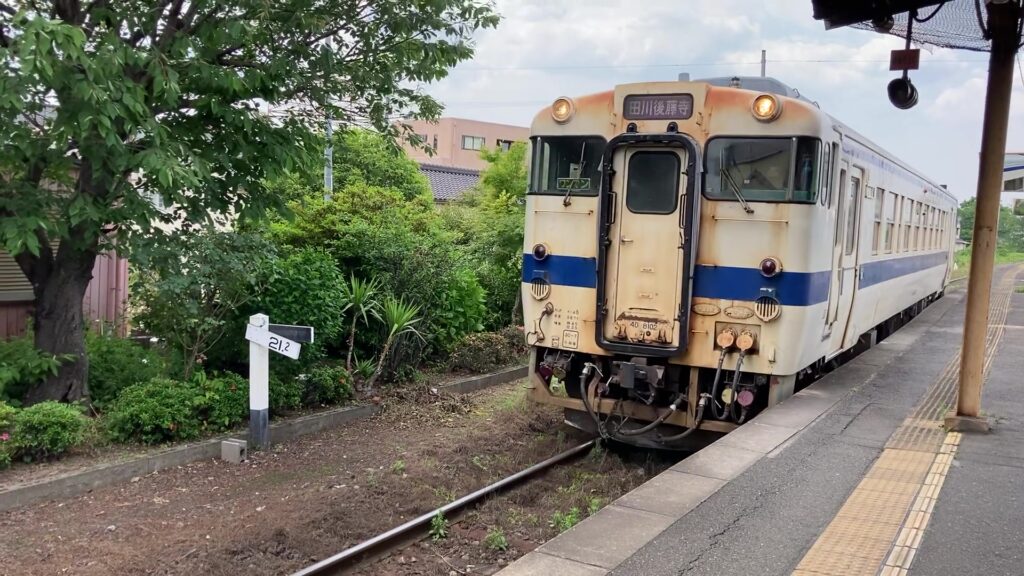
[
  {"x": 472, "y": 143},
  {"x": 435, "y": 142},
  {"x": 505, "y": 145}
]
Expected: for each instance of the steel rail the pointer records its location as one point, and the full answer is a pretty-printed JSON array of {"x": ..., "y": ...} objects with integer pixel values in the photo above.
[{"x": 342, "y": 559}]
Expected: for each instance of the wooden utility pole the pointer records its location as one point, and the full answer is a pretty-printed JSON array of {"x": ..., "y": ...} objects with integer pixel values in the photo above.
[{"x": 1003, "y": 19}]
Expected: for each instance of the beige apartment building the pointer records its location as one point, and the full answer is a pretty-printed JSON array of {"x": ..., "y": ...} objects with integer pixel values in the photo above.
[{"x": 457, "y": 142}]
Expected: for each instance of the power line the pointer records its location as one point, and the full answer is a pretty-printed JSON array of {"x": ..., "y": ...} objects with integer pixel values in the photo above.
[
  {"x": 697, "y": 64},
  {"x": 1021, "y": 70}
]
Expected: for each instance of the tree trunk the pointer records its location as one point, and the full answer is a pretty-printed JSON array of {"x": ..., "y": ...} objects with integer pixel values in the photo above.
[
  {"x": 59, "y": 323},
  {"x": 351, "y": 344}
]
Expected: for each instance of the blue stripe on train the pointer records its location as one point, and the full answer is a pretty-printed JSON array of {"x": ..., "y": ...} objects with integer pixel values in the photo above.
[
  {"x": 561, "y": 270},
  {"x": 879, "y": 271},
  {"x": 729, "y": 283},
  {"x": 732, "y": 283}
]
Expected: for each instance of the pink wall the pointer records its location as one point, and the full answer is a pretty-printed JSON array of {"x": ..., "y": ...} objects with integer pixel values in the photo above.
[
  {"x": 104, "y": 300},
  {"x": 449, "y": 133}
]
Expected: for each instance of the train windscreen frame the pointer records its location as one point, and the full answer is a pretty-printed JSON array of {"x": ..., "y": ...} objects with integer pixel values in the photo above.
[
  {"x": 566, "y": 164},
  {"x": 763, "y": 169}
]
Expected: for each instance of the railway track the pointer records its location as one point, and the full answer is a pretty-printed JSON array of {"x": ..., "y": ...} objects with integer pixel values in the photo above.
[{"x": 415, "y": 528}]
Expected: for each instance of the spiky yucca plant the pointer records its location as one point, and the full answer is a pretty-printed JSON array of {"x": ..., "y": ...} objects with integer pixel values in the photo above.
[
  {"x": 400, "y": 318},
  {"x": 361, "y": 298}
]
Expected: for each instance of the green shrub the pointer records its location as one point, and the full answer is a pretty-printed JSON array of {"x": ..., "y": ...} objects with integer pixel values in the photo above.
[
  {"x": 225, "y": 400},
  {"x": 7, "y": 414},
  {"x": 158, "y": 410},
  {"x": 117, "y": 363},
  {"x": 285, "y": 394},
  {"x": 328, "y": 385},
  {"x": 46, "y": 430},
  {"x": 374, "y": 232},
  {"x": 488, "y": 351},
  {"x": 22, "y": 365}
]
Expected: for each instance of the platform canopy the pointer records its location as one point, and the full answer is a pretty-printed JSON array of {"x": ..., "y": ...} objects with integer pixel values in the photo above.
[{"x": 961, "y": 24}]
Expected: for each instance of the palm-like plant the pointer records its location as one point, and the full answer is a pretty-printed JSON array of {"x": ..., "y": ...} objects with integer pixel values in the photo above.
[
  {"x": 400, "y": 318},
  {"x": 361, "y": 298}
]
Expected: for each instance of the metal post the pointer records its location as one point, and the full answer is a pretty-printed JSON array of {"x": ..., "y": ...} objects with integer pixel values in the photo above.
[
  {"x": 259, "y": 388},
  {"x": 329, "y": 161},
  {"x": 1002, "y": 20},
  {"x": 764, "y": 62}
]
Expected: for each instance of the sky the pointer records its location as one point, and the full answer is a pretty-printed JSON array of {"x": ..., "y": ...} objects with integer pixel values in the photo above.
[{"x": 543, "y": 49}]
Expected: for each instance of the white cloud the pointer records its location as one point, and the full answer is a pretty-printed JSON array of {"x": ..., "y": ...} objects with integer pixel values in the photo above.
[{"x": 548, "y": 48}]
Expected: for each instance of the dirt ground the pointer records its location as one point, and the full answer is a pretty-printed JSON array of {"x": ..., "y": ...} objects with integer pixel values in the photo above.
[{"x": 310, "y": 498}]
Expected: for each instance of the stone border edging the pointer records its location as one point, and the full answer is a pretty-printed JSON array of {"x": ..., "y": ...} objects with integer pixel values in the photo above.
[
  {"x": 639, "y": 516},
  {"x": 74, "y": 483}
]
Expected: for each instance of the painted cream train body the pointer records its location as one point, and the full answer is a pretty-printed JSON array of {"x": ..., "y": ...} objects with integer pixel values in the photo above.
[{"x": 696, "y": 251}]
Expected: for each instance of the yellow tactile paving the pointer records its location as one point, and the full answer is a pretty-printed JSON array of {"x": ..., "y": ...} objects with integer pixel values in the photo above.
[{"x": 879, "y": 528}]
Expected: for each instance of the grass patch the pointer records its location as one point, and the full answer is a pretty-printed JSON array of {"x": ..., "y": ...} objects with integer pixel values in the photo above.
[
  {"x": 496, "y": 540},
  {"x": 963, "y": 261},
  {"x": 438, "y": 527}
]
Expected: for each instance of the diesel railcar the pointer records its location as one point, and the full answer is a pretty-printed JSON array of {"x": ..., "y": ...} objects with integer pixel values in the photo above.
[{"x": 696, "y": 251}]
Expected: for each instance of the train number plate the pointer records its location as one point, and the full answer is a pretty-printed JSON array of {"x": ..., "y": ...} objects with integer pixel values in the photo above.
[{"x": 644, "y": 330}]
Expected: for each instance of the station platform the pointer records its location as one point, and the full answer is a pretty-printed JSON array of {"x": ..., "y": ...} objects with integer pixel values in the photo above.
[{"x": 854, "y": 475}]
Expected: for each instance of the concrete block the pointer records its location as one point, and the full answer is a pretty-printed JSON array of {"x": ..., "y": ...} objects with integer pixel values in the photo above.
[
  {"x": 234, "y": 451},
  {"x": 540, "y": 564},
  {"x": 608, "y": 537},
  {"x": 671, "y": 493},
  {"x": 757, "y": 437},
  {"x": 719, "y": 461},
  {"x": 956, "y": 423}
]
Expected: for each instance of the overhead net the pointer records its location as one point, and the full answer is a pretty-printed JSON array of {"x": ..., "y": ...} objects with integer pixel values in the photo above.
[{"x": 959, "y": 24}]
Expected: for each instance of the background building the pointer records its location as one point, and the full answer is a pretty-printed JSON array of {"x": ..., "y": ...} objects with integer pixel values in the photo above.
[
  {"x": 457, "y": 142},
  {"x": 1013, "y": 178}
]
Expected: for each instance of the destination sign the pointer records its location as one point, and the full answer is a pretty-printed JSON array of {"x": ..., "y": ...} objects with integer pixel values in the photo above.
[{"x": 658, "y": 106}]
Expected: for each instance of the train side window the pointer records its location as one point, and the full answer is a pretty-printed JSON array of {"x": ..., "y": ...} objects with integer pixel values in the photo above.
[
  {"x": 851, "y": 214},
  {"x": 652, "y": 182},
  {"x": 907, "y": 215},
  {"x": 890, "y": 219},
  {"x": 839, "y": 210},
  {"x": 935, "y": 224},
  {"x": 918, "y": 238},
  {"x": 826, "y": 175},
  {"x": 876, "y": 240}
]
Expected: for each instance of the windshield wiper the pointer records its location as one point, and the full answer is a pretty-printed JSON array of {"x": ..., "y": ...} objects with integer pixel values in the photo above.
[
  {"x": 736, "y": 192},
  {"x": 567, "y": 201}
]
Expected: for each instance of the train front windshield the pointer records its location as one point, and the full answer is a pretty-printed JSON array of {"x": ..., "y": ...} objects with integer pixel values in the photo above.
[
  {"x": 762, "y": 169},
  {"x": 564, "y": 164}
]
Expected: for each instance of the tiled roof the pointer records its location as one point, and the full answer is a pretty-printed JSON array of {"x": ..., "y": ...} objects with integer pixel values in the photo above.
[{"x": 449, "y": 183}]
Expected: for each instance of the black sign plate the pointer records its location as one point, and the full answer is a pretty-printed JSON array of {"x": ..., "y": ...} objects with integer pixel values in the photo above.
[
  {"x": 300, "y": 334},
  {"x": 657, "y": 106}
]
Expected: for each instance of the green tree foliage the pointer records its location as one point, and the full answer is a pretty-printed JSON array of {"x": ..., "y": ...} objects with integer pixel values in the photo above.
[
  {"x": 1010, "y": 233},
  {"x": 104, "y": 105},
  {"x": 375, "y": 232},
  {"x": 191, "y": 291},
  {"x": 365, "y": 156},
  {"x": 490, "y": 221}
]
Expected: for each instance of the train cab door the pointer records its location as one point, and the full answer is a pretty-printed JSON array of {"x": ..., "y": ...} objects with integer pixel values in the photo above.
[
  {"x": 844, "y": 254},
  {"x": 645, "y": 248}
]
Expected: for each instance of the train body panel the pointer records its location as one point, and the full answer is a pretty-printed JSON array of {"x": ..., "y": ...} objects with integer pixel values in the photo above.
[{"x": 679, "y": 231}]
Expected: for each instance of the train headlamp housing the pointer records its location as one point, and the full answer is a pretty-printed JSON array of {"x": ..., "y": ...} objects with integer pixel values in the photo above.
[
  {"x": 540, "y": 252},
  {"x": 562, "y": 109},
  {"x": 766, "y": 107},
  {"x": 770, "y": 267}
]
